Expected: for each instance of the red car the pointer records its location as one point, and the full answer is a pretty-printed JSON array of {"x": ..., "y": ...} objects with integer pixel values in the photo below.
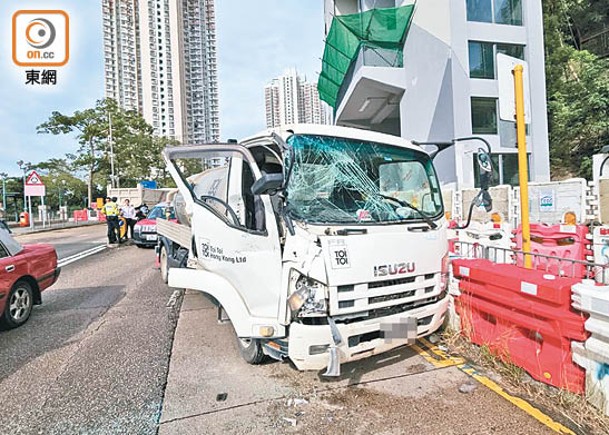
[
  {"x": 25, "y": 271},
  {"x": 144, "y": 233}
]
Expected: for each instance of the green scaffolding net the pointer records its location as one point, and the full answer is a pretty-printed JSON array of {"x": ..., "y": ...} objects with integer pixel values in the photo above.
[{"x": 379, "y": 32}]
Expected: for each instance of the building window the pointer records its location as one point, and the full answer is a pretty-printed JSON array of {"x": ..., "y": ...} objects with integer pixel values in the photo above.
[
  {"x": 484, "y": 115},
  {"x": 508, "y": 12},
  {"x": 512, "y": 50},
  {"x": 482, "y": 57},
  {"x": 481, "y": 65},
  {"x": 495, "y": 11},
  {"x": 479, "y": 10},
  {"x": 505, "y": 169}
]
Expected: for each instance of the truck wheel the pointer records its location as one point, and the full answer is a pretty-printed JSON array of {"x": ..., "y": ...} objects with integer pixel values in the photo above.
[
  {"x": 251, "y": 350},
  {"x": 18, "y": 305},
  {"x": 164, "y": 264}
]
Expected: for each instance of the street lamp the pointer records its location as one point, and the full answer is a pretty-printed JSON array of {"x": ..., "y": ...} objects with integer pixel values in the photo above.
[
  {"x": 3, "y": 175},
  {"x": 61, "y": 190},
  {"x": 113, "y": 177},
  {"x": 24, "y": 166}
]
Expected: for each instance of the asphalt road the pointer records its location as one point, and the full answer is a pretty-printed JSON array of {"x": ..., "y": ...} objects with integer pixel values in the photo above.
[
  {"x": 69, "y": 241},
  {"x": 94, "y": 357}
]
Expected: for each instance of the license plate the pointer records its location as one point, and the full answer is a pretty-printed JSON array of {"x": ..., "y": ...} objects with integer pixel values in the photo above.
[
  {"x": 402, "y": 329},
  {"x": 151, "y": 237}
]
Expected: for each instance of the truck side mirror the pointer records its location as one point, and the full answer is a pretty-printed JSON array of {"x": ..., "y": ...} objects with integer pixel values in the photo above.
[
  {"x": 483, "y": 198},
  {"x": 268, "y": 184},
  {"x": 486, "y": 175}
]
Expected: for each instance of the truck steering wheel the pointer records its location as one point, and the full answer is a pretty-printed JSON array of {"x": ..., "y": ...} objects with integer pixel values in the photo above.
[{"x": 230, "y": 210}]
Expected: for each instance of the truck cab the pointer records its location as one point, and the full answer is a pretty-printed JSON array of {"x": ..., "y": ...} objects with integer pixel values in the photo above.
[{"x": 321, "y": 244}]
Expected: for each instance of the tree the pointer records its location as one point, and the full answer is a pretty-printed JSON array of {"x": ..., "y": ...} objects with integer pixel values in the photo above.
[
  {"x": 577, "y": 87},
  {"x": 89, "y": 128},
  {"x": 111, "y": 137},
  {"x": 62, "y": 187}
]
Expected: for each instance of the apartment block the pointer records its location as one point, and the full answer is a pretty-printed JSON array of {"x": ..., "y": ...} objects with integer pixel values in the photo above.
[
  {"x": 160, "y": 58},
  {"x": 432, "y": 75},
  {"x": 290, "y": 99},
  {"x": 121, "y": 48}
]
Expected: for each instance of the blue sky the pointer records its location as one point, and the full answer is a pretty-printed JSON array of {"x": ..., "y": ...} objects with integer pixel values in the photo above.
[{"x": 257, "y": 40}]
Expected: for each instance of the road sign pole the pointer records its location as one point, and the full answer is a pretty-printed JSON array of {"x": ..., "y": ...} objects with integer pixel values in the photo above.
[
  {"x": 523, "y": 172},
  {"x": 30, "y": 212},
  {"x": 44, "y": 213}
]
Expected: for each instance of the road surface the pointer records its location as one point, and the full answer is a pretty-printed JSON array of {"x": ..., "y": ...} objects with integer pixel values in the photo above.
[
  {"x": 210, "y": 389},
  {"x": 69, "y": 241},
  {"x": 94, "y": 357}
]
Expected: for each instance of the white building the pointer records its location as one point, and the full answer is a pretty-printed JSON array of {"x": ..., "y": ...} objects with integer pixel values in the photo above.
[
  {"x": 121, "y": 40},
  {"x": 290, "y": 99},
  {"x": 160, "y": 58},
  {"x": 438, "y": 79}
]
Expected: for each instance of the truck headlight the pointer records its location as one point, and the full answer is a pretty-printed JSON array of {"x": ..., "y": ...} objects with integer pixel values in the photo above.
[{"x": 308, "y": 298}]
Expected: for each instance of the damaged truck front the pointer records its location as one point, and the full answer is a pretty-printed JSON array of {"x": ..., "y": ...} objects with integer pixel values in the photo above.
[{"x": 321, "y": 244}]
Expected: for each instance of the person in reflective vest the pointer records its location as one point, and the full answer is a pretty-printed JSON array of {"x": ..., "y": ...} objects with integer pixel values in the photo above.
[{"x": 111, "y": 210}]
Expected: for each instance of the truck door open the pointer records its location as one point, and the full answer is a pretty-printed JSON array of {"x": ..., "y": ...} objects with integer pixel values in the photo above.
[{"x": 234, "y": 233}]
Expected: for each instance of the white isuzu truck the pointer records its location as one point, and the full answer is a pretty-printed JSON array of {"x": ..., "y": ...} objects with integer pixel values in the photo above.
[{"x": 321, "y": 244}]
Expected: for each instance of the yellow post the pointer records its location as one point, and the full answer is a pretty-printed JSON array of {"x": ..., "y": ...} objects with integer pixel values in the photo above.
[{"x": 523, "y": 173}]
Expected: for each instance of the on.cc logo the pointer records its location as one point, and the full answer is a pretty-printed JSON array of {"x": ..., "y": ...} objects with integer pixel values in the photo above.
[
  {"x": 40, "y": 33},
  {"x": 41, "y": 38}
]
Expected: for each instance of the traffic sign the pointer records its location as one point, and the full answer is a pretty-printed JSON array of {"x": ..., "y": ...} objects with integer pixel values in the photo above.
[
  {"x": 34, "y": 179},
  {"x": 507, "y": 100},
  {"x": 34, "y": 185}
]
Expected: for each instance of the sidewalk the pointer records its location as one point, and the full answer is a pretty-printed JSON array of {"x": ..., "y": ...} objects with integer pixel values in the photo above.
[
  {"x": 17, "y": 230},
  {"x": 211, "y": 389}
]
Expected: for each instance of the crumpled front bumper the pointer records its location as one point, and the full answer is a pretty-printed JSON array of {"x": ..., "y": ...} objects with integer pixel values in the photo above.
[{"x": 355, "y": 345}]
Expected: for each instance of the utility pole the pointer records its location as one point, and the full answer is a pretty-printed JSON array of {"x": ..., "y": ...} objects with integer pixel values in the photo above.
[
  {"x": 110, "y": 140},
  {"x": 24, "y": 166}
]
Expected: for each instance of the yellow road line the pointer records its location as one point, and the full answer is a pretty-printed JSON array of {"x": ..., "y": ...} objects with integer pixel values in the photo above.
[
  {"x": 520, "y": 403},
  {"x": 441, "y": 359},
  {"x": 438, "y": 363}
]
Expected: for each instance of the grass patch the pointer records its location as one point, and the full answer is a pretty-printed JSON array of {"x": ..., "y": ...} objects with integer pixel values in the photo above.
[{"x": 567, "y": 408}]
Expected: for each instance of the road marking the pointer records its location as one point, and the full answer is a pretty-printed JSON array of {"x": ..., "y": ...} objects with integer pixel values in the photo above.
[
  {"x": 71, "y": 259},
  {"x": 520, "y": 403},
  {"x": 441, "y": 359},
  {"x": 437, "y": 362},
  {"x": 173, "y": 299}
]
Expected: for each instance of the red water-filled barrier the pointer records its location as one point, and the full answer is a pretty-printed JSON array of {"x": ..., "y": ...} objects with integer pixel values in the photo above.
[
  {"x": 524, "y": 317},
  {"x": 567, "y": 242},
  {"x": 80, "y": 215}
]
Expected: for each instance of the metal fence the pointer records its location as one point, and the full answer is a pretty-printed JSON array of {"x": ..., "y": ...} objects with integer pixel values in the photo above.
[{"x": 548, "y": 263}]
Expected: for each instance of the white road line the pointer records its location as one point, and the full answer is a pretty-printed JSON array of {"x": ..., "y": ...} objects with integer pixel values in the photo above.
[
  {"x": 71, "y": 259},
  {"x": 173, "y": 299}
]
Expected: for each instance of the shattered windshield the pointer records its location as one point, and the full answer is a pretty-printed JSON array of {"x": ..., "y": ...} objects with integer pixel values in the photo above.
[{"x": 337, "y": 180}]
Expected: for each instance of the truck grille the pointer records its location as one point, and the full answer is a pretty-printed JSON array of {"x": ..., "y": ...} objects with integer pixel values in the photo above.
[{"x": 360, "y": 299}]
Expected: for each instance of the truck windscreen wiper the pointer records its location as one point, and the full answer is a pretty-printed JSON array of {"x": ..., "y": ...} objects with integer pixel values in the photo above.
[{"x": 406, "y": 204}]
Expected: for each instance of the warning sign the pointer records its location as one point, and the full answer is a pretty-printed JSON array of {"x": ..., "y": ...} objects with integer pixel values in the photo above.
[
  {"x": 34, "y": 185},
  {"x": 34, "y": 179}
]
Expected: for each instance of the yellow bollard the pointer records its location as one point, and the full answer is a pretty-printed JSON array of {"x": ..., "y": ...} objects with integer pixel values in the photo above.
[{"x": 523, "y": 173}]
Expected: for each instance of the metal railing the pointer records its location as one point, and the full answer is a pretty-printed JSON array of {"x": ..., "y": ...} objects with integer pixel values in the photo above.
[{"x": 553, "y": 265}]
